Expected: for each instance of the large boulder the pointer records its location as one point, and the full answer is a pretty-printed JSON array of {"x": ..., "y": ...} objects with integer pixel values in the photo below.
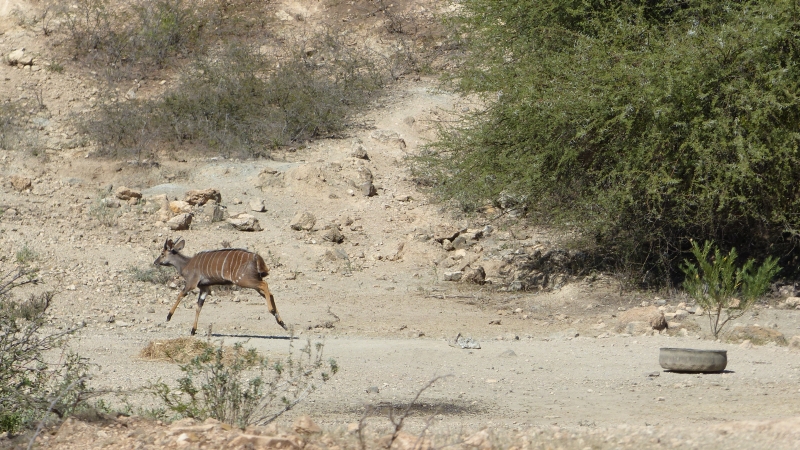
[
  {"x": 649, "y": 315},
  {"x": 201, "y": 196}
]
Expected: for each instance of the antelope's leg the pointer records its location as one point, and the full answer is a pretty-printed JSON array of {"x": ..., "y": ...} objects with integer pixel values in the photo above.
[
  {"x": 263, "y": 289},
  {"x": 175, "y": 306},
  {"x": 200, "y": 300}
]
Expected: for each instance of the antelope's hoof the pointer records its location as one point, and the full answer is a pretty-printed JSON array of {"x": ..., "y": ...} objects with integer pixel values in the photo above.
[
  {"x": 169, "y": 316},
  {"x": 280, "y": 322},
  {"x": 193, "y": 331}
]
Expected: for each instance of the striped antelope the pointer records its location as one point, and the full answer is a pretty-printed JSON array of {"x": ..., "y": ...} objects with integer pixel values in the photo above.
[{"x": 214, "y": 268}]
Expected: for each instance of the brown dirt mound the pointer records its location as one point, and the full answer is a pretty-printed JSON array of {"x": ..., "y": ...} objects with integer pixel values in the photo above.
[{"x": 757, "y": 335}]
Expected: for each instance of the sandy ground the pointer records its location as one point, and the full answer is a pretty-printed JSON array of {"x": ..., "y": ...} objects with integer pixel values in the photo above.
[{"x": 542, "y": 366}]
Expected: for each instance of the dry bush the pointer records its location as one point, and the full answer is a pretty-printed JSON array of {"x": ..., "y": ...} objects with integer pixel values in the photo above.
[{"x": 184, "y": 350}]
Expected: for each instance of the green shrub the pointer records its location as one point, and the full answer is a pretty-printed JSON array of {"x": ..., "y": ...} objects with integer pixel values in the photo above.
[
  {"x": 26, "y": 255},
  {"x": 719, "y": 286},
  {"x": 32, "y": 388},
  {"x": 641, "y": 124},
  {"x": 231, "y": 391}
]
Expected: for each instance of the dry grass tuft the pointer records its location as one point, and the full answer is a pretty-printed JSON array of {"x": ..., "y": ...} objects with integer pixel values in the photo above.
[{"x": 183, "y": 350}]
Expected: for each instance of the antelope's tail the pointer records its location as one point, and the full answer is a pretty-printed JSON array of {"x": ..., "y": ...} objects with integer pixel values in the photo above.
[{"x": 261, "y": 266}]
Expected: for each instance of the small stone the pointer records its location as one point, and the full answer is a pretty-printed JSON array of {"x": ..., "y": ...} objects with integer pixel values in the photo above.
[
  {"x": 448, "y": 245},
  {"x": 508, "y": 354},
  {"x": 452, "y": 276},
  {"x": 359, "y": 152},
  {"x": 368, "y": 189},
  {"x": 333, "y": 235},
  {"x": 124, "y": 193},
  {"x": 15, "y": 56},
  {"x": 303, "y": 221},
  {"x": 660, "y": 399},
  {"x": 794, "y": 342},
  {"x": 475, "y": 276},
  {"x": 244, "y": 222},
  {"x": 257, "y": 205},
  {"x": 180, "y": 222},
  {"x": 179, "y": 207},
  {"x": 746, "y": 344},
  {"x": 20, "y": 183},
  {"x": 373, "y": 390}
]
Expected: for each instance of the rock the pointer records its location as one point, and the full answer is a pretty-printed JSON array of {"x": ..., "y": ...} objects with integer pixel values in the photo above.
[
  {"x": 403, "y": 198},
  {"x": 445, "y": 231},
  {"x": 359, "y": 152},
  {"x": 373, "y": 390},
  {"x": 124, "y": 193},
  {"x": 109, "y": 202},
  {"x": 681, "y": 314},
  {"x": 364, "y": 174},
  {"x": 508, "y": 354},
  {"x": 244, "y": 222},
  {"x": 180, "y": 222},
  {"x": 699, "y": 311},
  {"x": 650, "y": 315},
  {"x": 212, "y": 212},
  {"x": 304, "y": 221},
  {"x": 746, "y": 344},
  {"x": 20, "y": 183},
  {"x": 453, "y": 276},
  {"x": 333, "y": 235},
  {"x": 474, "y": 276},
  {"x": 19, "y": 58},
  {"x": 792, "y": 302},
  {"x": 447, "y": 245},
  {"x": 460, "y": 242},
  {"x": 304, "y": 425},
  {"x": 200, "y": 197},
  {"x": 368, "y": 189},
  {"x": 257, "y": 205},
  {"x": 178, "y": 207},
  {"x": 794, "y": 342}
]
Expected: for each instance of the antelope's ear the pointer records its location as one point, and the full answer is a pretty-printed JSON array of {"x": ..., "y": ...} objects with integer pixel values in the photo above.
[
  {"x": 179, "y": 245},
  {"x": 167, "y": 244}
]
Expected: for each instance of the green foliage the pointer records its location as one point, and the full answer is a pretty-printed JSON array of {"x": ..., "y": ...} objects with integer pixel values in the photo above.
[
  {"x": 26, "y": 255},
  {"x": 152, "y": 274},
  {"x": 642, "y": 124},
  {"x": 719, "y": 285},
  {"x": 32, "y": 388},
  {"x": 232, "y": 391},
  {"x": 241, "y": 102}
]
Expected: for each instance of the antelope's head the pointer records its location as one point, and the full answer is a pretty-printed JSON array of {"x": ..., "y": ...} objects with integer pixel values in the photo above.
[{"x": 170, "y": 253}]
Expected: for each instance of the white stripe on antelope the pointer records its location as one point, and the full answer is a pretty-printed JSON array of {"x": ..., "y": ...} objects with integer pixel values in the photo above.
[{"x": 217, "y": 267}]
